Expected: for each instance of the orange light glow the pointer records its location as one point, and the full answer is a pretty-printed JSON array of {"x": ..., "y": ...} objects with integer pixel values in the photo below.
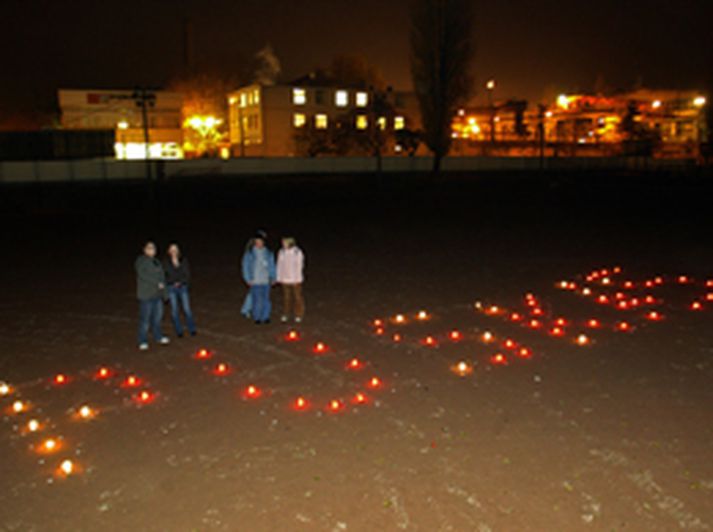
[
  {"x": 397, "y": 338},
  {"x": 18, "y": 407},
  {"x": 593, "y": 323},
  {"x": 537, "y": 311},
  {"x": 557, "y": 331},
  {"x": 628, "y": 285},
  {"x": 252, "y": 392},
  {"x": 622, "y": 305},
  {"x": 300, "y": 404},
  {"x": 515, "y": 317},
  {"x": 49, "y": 446},
  {"x": 603, "y": 300},
  {"x": 586, "y": 291},
  {"x": 86, "y": 413},
  {"x": 535, "y": 324},
  {"x": 5, "y": 389},
  {"x": 378, "y": 323},
  {"x": 131, "y": 381},
  {"x": 360, "y": 398},
  {"x": 144, "y": 397},
  {"x": 623, "y": 326},
  {"x": 696, "y": 305},
  {"x": 375, "y": 383},
  {"x": 509, "y": 344},
  {"x": 524, "y": 352},
  {"x": 400, "y": 318},
  {"x": 422, "y": 315},
  {"x": 582, "y": 340},
  {"x": 709, "y": 296},
  {"x": 221, "y": 369},
  {"x": 561, "y": 322},
  {"x": 429, "y": 341},
  {"x": 103, "y": 373},
  {"x": 67, "y": 468},
  {"x": 654, "y": 316},
  {"x": 203, "y": 354},
  {"x": 335, "y": 405},
  {"x": 462, "y": 368},
  {"x": 487, "y": 337},
  {"x": 292, "y": 336},
  {"x": 379, "y": 331},
  {"x": 455, "y": 335},
  {"x": 320, "y": 348},
  {"x": 355, "y": 364},
  {"x": 709, "y": 283},
  {"x": 33, "y": 426},
  {"x": 499, "y": 359},
  {"x": 649, "y": 300},
  {"x": 683, "y": 279},
  {"x": 60, "y": 379}
]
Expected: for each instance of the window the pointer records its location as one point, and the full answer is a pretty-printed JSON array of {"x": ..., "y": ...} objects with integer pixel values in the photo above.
[
  {"x": 381, "y": 121},
  {"x": 319, "y": 97},
  {"x": 321, "y": 121},
  {"x": 399, "y": 122},
  {"x": 243, "y": 99},
  {"x": 299, "y": 96},
  {"x": 362, "y": 99},
  {"x": 361, "y": 122},
  {"x": 299, "y": 119},
  {"x": 256, "y": 96},
  {"x": 341, "y": 98}
]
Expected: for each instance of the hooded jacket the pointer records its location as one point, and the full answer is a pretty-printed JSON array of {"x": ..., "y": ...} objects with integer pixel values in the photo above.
[{"x": 149, "y": 278}]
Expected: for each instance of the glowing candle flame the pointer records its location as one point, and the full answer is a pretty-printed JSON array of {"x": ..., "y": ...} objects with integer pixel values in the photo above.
[
  {"x": 18, "y": 407},
  {"x": 203, "y": 354},
  {"x": 499, "y": 359},
  {"x": 300, "y": 403},
  {"x": 524, "y": 352},
  {"x": 422, "y": 315},
  {"x": 103, "y": 373},
  {"x": 33, "y": 425},
  {"x": 378, "y": 323},
  {"x": 515, "y": 317},
  {"x": 355, "y": 364},
  {"x": 359, "y": 398},
  {"x": 397, "y": 337},
  {"x": 400, "y": 318},
  {"x": 85, "y": 412},
  {"x": 335, "y": 405},
  {"x": 593, "y": 323},
  {"x": 623, "y": 326},
  {"x": 582, "y": 339},
  {"x": 455, "y": 335},
  {"x": 66, "y": 468},
  {"x": 60, "y": 379},
  {"x": 292, "y": 336},
  {"x": 487, "y": 337},
  {"x": 221, "y": 369},
  {"x": 375, "y": 382},
  {"x": 696, "y": 305},
  {"x": 5, "y": 389},
  {"x": 462, "y": 369},
  {"x": 379, "y": 331}
]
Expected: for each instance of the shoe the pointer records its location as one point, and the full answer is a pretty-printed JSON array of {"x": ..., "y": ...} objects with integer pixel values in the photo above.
[
  {"x": 298, "y": 319},
  {"x": 266, "y": 322},
  {"x": 258, "y": 322},
  {"x": 164, "y": 340},
  {"x": 194, "y": 333},
  {"x": 284, "y": 319},
  {"x": 180, "y": 335},
  {"x": 143, "y": 347}
]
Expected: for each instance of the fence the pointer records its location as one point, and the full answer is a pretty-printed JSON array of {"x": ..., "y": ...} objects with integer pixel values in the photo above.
[{"x": 113, "y": 170}]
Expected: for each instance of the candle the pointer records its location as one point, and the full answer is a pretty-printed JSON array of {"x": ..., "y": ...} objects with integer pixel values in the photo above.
[
  {"x": 487, "y": 337},
  {"x": 455, "y": 335},
  {"x": 422, "y": 315},
  {"x": 33, "y": 425},
  {"x": 355, "y": 364},
  {"x": 429, "y": 341},
  {"x": 359, "y": 398},
  {"x": 5, "y": 389},
  {"x": 86, "y": 412},
  {"x": 320, "y": 348},
  {"x": 60, "y": 379},
  {"x": 300, "y": 404},
  {"x": 582, "y": 339},
  {"x": 221, "y": 369},
  {"x": 335, "y": 405},
  {"x": 103, "y": 373},
  {"x": 292, "y": 336},
  {"x": 18, "y": 407},
  {"x": 499, "y": 359},
  {"x": 623, "y": 326},
  {"x": 378, "y": 323},
  {"x": 396, "y": 337},
  {"x": 400, "y": 318},
  {"x": 515, "y": 317},
  {"x": 462, "y": 369},
  {"x": 66, "y": 468},
  {"x": 593, "y": 323},
  {"x": 252, "y": 392},
  {"x": 375, "y": 382},
  {"x": 203, "y": 354},
  {"x": 524, "y": 352},
  {"x": 696, "y": 305}
]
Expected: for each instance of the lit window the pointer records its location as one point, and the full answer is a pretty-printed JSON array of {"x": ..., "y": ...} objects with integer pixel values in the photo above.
[
  {"x": 399, "y": 122},
  {"x": 381, "y": 121},
  {"x": 362, "y": 99},
  {"x": 299, "y": 119},
  {"x": 341, "y": 98},
  {"x": 299, "y": 96},
  {"x": 321, "y": 121},
  {"x": 243, "y": 99},
  {"x": 250, "y": 98},
  {"x": 361, "y": 122},
  {"x": 256, "y": 96}
]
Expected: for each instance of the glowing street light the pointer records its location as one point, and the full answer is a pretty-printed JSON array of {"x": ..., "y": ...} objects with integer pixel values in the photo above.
[{"x": 699, "y": 101}]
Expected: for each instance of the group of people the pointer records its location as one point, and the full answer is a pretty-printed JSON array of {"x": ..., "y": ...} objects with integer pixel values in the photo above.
[{"x": 158, "y": 281}]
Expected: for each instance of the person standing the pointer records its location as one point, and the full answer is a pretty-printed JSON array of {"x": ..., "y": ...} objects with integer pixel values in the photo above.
[
  {"x": 150, "y": 290},
  {"x": 258, "y": 267},
  {"x": 290, "y": 274},
  {"x": 178, "y": 279}
]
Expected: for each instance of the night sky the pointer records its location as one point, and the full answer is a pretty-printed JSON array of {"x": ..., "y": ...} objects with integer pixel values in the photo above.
[{"x": 533, "y": 48}]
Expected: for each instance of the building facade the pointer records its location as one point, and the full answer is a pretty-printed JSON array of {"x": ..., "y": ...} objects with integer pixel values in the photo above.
[
  {"x": 287, "y": 120},
  {"x": 121, "y": 112}
]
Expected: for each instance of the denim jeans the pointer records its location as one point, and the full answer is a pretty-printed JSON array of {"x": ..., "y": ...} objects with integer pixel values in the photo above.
[
  {"x": 178, "y": 295},
  {"x": 262, "y": 307},
  {"x": 150, "y": 314}
]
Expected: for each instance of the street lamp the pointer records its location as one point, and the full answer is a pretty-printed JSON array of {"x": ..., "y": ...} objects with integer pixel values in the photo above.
[
  {"x": 699, "y": 101},
  {"x": 490, "y": 85}
]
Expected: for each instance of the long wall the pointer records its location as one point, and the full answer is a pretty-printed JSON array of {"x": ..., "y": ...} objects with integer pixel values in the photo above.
[{"x": 113, "y": 170}]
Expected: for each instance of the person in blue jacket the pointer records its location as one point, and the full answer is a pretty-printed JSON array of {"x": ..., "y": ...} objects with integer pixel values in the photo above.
[{"x": 259, "y": 273}]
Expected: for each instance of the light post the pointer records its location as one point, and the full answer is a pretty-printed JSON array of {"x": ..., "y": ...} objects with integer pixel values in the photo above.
[{"x": 490, "y": 86}]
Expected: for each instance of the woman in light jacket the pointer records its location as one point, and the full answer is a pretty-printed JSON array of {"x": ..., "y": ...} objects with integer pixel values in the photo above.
[{"x": 290, "y": 274}]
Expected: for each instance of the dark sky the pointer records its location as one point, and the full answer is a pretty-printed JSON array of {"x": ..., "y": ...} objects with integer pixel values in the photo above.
[{"x": 530, "y": 47}]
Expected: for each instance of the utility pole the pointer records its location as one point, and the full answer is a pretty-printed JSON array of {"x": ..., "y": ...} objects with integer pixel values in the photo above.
[
  {"x": 490, "y": 85},
  {"x": 541, "y": 130},
  {"x": 146, "y": 99}
]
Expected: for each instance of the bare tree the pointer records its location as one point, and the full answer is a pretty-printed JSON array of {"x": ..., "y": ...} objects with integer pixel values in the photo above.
[{"x": 441, "y": 58}]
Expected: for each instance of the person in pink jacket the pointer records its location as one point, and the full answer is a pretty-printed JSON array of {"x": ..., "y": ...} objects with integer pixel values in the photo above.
[{"x": 290, "y": 274}]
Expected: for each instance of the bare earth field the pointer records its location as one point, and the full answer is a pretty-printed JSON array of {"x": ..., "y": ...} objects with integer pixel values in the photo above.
[{"x": 613, "y": 435}]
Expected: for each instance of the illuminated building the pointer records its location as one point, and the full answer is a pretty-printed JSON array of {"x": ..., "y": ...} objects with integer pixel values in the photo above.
[
  {"x": 265, "y": 120},
  {"x": 118, "y": 111},
  {"x": 585, "y": 125}
]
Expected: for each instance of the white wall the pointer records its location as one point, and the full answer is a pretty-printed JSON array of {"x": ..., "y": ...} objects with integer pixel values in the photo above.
[{"x": 113, "y": 170}]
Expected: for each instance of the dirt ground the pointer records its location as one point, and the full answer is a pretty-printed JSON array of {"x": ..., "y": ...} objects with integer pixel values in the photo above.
[{"x": 613, "y": 435}]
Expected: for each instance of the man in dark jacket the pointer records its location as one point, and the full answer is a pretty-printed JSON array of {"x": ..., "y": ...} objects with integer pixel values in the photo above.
[{"x": 150, "y": 289}]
